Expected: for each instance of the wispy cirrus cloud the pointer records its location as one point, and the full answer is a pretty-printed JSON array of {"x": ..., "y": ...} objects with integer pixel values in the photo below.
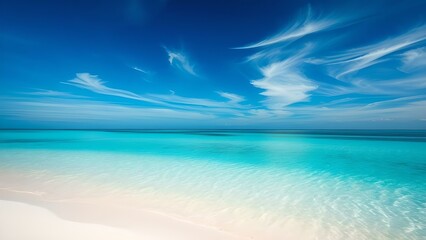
[
  {"x": 233, "y": 102},
  {"x": 388, "y": 87},
  {"x": 180, "y": 61},
  {"x": 393, "y": 102},
  {"x": 283, "y": 82},
  {"x": 399, "y": 86},
  {"x": 354, "y": 60},
  {"x": 304, "y": 25},
  {"x": 173, "y": 101},
  {"x": 140, "y": 70},
  {"x": 414, "y": 60},
  {"x": 233, "y": 98},
  {"x": 145, "y": 74},
  {"x": 283, "y": 79},
  {"x": 283, "y": 87},
  {"x": 95, "y": 84}
]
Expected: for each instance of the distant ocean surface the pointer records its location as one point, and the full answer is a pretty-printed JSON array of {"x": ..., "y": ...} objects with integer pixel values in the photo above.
[{"x": 337, "y": 184}]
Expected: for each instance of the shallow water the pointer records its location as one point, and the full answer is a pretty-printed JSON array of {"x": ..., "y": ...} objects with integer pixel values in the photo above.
[{"x": 316, "y": 184}]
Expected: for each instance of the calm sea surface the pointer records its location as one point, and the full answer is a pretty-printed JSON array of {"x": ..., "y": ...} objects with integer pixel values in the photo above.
[{"x": 324, "y": 184}]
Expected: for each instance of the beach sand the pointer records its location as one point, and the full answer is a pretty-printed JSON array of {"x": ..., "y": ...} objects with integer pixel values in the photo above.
[
  {"x": 24, "y": 216},
  {"x": 24, "y": 221}
]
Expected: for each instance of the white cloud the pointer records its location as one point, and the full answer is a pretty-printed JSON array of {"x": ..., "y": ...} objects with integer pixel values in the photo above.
[
  {"x": 173, "y": 98},
  {"x": 283, "y": 86},
  {"x": 303, "y": 26},
  {"x": 95, "y": 84},
  {"x": 414, "y": 60},
  {"x": 398, "y": 86},
  {"x": 283, "y": 83},
  {"x": 391, "y": 102},
  {"x": 173, "y": 101},
  {"x": 233, "y": 98},
  {"x": 180, "y": 61},
  {"x": 140, "y": 70},
  {"x": 354, "y": 60},
  {"x": 146, "y": 74}
]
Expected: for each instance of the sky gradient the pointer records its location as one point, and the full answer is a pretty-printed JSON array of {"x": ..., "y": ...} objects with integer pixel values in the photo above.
[{"x": 213, "y": 64}]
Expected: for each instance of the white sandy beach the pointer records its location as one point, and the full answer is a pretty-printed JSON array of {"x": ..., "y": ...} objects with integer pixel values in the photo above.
[{"x": 23, "y": 221}]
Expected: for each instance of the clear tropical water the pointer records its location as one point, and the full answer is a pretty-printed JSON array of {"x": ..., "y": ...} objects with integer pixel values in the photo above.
[{"x": 315, "y": 184}]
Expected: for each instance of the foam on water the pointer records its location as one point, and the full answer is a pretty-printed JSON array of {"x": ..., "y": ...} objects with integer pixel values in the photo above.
[{"x": 265, "y": 185}]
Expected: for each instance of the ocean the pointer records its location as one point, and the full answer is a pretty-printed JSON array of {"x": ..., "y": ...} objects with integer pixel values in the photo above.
[{"x": 267, "y": 184}]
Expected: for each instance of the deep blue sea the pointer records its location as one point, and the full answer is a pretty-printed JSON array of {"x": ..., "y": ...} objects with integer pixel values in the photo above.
[{"x": 318, "y": 184}]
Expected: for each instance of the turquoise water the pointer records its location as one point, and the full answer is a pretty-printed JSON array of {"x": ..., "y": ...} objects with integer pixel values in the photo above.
[{"x": 323, "y": 184}]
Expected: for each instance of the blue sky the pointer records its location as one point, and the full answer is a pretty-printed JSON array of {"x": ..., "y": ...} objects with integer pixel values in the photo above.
[{"x": 212, "y": 64}]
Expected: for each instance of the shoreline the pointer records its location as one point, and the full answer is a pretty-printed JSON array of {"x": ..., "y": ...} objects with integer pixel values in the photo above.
[{"x": 24, "y": 210}]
